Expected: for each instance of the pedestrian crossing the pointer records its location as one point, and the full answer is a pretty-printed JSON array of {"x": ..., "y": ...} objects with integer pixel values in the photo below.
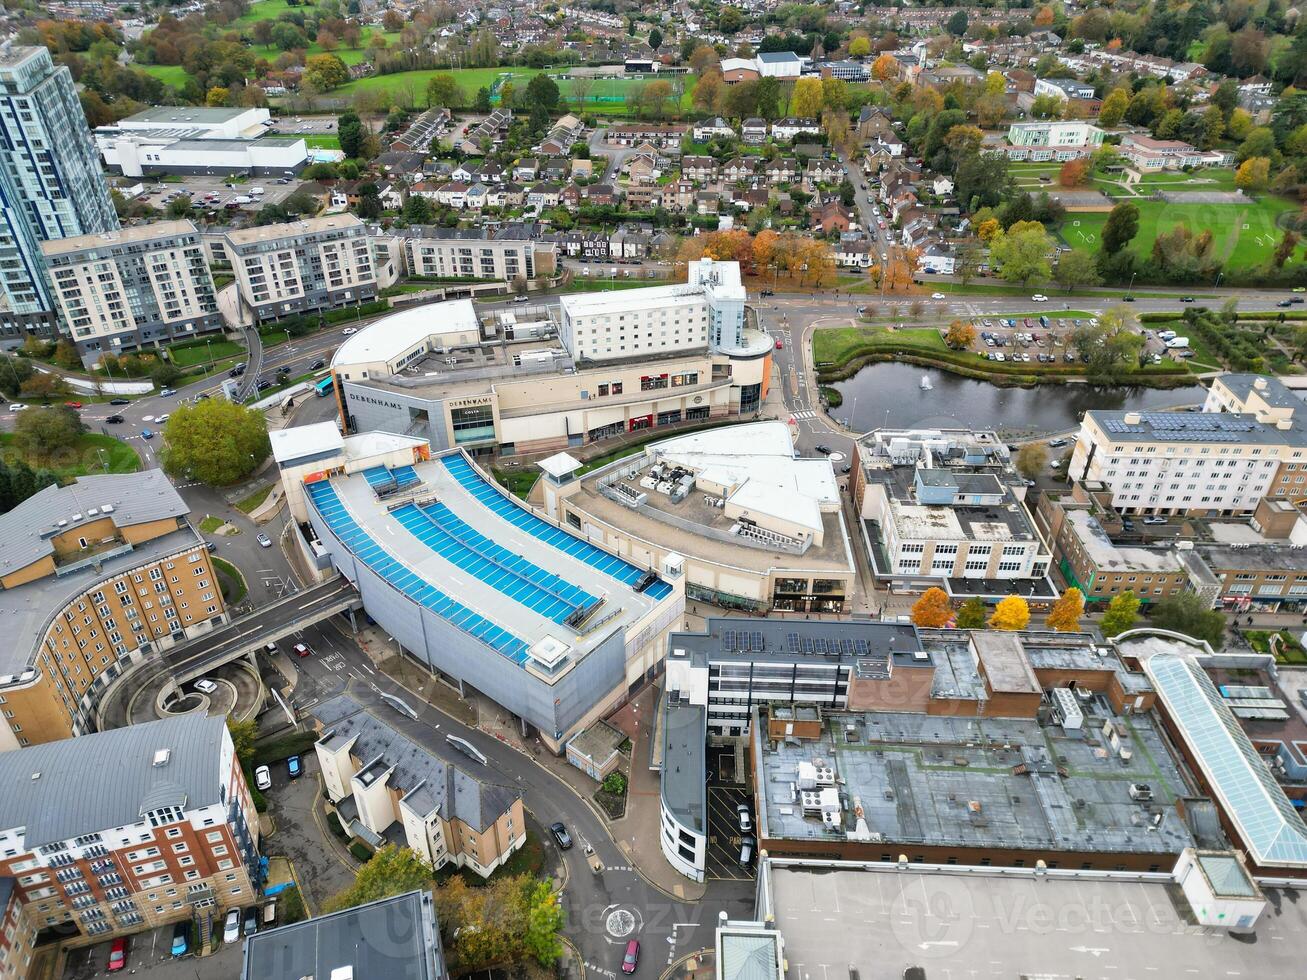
[{"x": 803, "y": 415}]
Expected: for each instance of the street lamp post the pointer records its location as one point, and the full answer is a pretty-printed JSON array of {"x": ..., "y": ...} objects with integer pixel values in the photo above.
[{"x": 1131, "y": 288}]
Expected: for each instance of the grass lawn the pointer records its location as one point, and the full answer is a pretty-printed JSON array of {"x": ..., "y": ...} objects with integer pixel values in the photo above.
[
  {"x": 1215, "y": 179},
  {"x": 1245, "y": 235},
  {"x": 322, "y": 141},
  {"x": 90, "y": 454},
  {"x": 233, "y": 582},
  {"x": 189, "y": 354},
  {"x": 1289, "y": 650},
  {"x": 252, "y": 502},
  {"x": 265, "y": 10},
  {"x": 174, "y": 75},
  {"x": 597, "y": 285},
  {"x": 211, "y": 524},
  {"x": 836, "y": 344},
  {"x": 469, "y": 80},
  {"x": 518, "y": 481},
  {"x": 350, "y": 56}
]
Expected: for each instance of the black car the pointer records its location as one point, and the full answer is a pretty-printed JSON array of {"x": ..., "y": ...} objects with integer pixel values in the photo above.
[
  {"x": 284, "y": 369},
  {"x": 1285, "y": 302},
  {"x": 264, "y": 384},
  {"x": 318, "y": 365},
  {"x": 1127, "y": 299},
  {"x": 561, "y": 835},
  {"x": 1296, "y": 299},
  {"x": 766, "y": 292},
  {"x": 114, "y": 420},
  {"x": 1186, "y": 299},
  {"x": 120, "y": 401},
  {"x": 824, "y": 450},
  {"x": 237, "y": 371}
]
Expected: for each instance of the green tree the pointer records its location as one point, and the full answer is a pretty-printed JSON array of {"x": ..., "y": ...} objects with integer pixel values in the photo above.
[
  {"x": 860, "y": 46},
  {"x": 323, "y": 72},
  {"x": 1031, "y": 459},
  {"x": 655, "y": 39},
  {"x": 418, "y": 210},
  {"x": 41, "y": 433},
  {"x": 482, "y": 101},
  {"x": 1114, "y": 107},
  {"x": 957, "y": 24},
  {"x": 1186, "y": 613},
  {"x": 542, "y": 91},
  {"x": 349, "y": 130},
  {"x": 1259, "y": 143},
  {"x": 13, "y": 372},
  {"x": 215, "y": 441},
  {"x": 66, "y": 356},
  {"x": 768, "y": 93},
  {"x": 972, "y": 615},
  {"x": 1121, "y": 614},
  {"x": 544, "y": 921},
  {"x": 243, "y": 735},
  {"x": 393, "y": 870},
  {"x": 443, "y": 90},
  {"x": 1022, "y": 252},
  {"x": 1121, "y": 227},
  {"x": 1074, "y": 269},
  {"x": 966, "y": 262},
  {"x": 807, "y": 98}
]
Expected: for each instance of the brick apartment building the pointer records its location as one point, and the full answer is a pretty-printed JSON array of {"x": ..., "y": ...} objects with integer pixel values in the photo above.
[
  {"x": 94, "y": 577},
  {"x": 123, "y": 830}
]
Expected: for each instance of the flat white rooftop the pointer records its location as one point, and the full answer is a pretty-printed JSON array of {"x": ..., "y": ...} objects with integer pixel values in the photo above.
[
  {"x": 1107, "y": 555},
  {"x": 757, "y": 460},
  {"x": 391, "y": 336},
  {"x": 300, "y": 441},
  {"x": 960, "y": 927}
]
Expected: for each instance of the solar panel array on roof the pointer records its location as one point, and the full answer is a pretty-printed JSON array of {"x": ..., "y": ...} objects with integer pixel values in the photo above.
[
  {"x": 1183, "y": 427},
  {"x": 728, "y": 641}
]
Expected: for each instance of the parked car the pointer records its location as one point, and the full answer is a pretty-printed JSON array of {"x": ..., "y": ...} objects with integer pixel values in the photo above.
[
  {"x": 231, "y": 928},
  {"x": 747, "y": 845},
  {"x": 1127, "y": 524},
  {"x": 561, "y": 835},
  {"x": 114, "y": 420},
  {"x": 181, "y": 938},
  {"x": 117, "y": 956},
  {"x": 1056, "y": 443},
  {"x": 264, "y": 540},
  {"x": 294, "y": 769},
  {"x": 72, "y": 404},
  {"x": 120, "y": 401},
  {"x": 251, "y": 921},
  {"x": 17, "y": 407},
  {"x": 824, "y": 450},
  {"x": 263, "y": 778},
  {"x": 744, "y": 818},
  {"x": 205, "y": 685},
  {"x": 1155, "y": 519},
  {"x": 302, "y": 650},
  {"x": 631, "y": 959}
]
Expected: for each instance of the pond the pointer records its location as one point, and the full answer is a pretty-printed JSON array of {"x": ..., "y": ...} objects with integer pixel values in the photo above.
[{"x": 891, "y": 394}]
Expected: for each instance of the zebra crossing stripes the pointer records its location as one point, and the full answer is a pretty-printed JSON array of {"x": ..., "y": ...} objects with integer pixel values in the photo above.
[{"x": 804, "y": 415}]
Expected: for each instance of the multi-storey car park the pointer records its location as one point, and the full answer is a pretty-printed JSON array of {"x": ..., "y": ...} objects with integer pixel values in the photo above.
[
  {"x": 540, "y": 379},
  {"x": 94, "y": 577},
  {"x": 475, "y": 585},
  {"x": 114, "y": 831}
]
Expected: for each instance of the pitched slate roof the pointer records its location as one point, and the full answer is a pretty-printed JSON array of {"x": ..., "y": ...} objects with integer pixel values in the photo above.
[
  {"x": 110, "y": 779},
  {"x": 428, "y": 780}
]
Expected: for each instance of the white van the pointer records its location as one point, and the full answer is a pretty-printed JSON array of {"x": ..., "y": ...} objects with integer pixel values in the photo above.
[
  {"x": 1175, "y": 343},
  {"x": 256, "y": 191},
  {"x": 242, "y": 199}
]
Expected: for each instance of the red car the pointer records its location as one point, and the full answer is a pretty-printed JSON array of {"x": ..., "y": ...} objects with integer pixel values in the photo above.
[
  {"x": 73, "y": 404},
  {"x": 117, "y": 955},
  {"x": 302, "y": 650},
  {"x": 780, "y": 345},
  {"x": 632, "y": 958}
]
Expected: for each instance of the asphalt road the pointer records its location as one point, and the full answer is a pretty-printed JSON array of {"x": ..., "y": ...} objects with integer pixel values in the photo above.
[{"x": 603, "y": 911}]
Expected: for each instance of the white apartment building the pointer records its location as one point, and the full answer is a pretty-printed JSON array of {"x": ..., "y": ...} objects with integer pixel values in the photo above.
[
  {"x": 1064, "y": 88},
  {"x": 945, "y": 508},
  {"x": 476, "y": 253},
  {"x": 129, "y": 828},
  {"x": 300, "y": 266},
  {"x": 1052, "y": 140},
  {"x": 706, "y": 311},
  {"x": 1218, "y": 462},
  {"x": 123, "y": 290}
]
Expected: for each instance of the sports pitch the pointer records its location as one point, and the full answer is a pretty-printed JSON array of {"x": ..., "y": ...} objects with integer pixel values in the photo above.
[{"x": 1243, "y": 235}]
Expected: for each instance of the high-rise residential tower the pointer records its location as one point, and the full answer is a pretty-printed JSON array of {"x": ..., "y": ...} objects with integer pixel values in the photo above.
[{"x": 50, "y": 184}]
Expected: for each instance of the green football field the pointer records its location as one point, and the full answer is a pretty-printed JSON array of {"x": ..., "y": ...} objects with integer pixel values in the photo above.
[{"x": 1243, "y": 234}]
